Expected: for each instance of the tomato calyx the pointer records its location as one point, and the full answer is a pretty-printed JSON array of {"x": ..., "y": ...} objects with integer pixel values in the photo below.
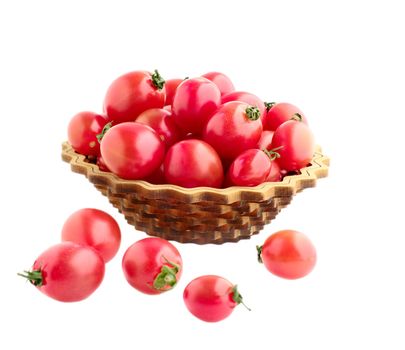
[
  {"x": 104, "y": 131},
  {"x": 157, "y": 80},
  {"x": 297, "y": 117},
  {"x": 237, "y": 297},
  {"x": 35, "y": 277},
  {"x": 272, "y": 154},
  {"x": 269, "y": 105},
  {"x": 252, "y": 112},
  {"x": 259, "y": 253},
  {"x": 166, "y": 279}
]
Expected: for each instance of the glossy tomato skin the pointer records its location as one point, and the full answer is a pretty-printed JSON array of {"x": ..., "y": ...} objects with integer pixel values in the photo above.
[
  {"x": 209, "y": 298},
  {"x": 171, "y": 87},
  {"x": 162, "y": 122},
  {"x": 70, "y": 272},
  {"x": 94, "y": 228},
  {"x": 143, "y": 262},
  {"x": 275, "y": 174},
  {"x": 83, "y": 130},
  {"x": 295, "y": 143},
  {"x": 265, "y": 140},
  {"x": 250, "y": 168},
  {"x": 289, "y": 254},
  {"x": 247, "y": 97},
  {"x": 193, "y": 163},
  {"x": 230, "y": 131},
  {"x": 194, "y": 102},
  {"x": 132, "y": 150},
  {"x": 131, "y": 94},
  {"x": 221, "y": 80},
  {"x": 279, "y": 114}
]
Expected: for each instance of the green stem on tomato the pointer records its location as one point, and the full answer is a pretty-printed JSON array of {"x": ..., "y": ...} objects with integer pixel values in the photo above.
[
  {"x": 253, "y": 113},
  {"x": 35, "y": 277},
  {"x": 158, "y": 80},
  {"x": 269, "y": 105},
  {"x": 237, "y": 297},
  {"x": 259, "y": 249},
  {"x": 297, "y": 117},
  {"x": 166, "y": 279},
  {"x": 273, "y": 154},
  {"x": 104, "y": 131}
]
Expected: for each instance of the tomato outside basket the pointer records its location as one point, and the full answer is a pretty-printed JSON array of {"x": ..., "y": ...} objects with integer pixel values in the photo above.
[{"x": 197, "y": 215}]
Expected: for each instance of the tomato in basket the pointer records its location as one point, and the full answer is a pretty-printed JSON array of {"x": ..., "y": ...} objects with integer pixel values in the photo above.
[
  {"x": 132, "y": 150},
  {"x": 133, "y": 93}
]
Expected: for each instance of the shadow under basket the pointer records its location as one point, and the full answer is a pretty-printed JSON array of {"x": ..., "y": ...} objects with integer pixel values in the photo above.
[{"x": 198, "y": 215}]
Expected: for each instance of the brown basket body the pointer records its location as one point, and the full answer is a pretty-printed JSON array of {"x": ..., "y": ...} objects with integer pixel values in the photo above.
[{"x": 199, "y": 215}]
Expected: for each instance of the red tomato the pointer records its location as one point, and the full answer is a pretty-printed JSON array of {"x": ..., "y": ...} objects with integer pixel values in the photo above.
[
  {"x": 132, "y": 93},
  {"x": 101, "y": 164},
  {"x": 194, "y": 102},
  {"x": 224, "y": 84},
  {"x": 278, "y": 113},
  {"x": 295, "y": 143},
  {"x": 152, "y": 265},
  {"x": 132, "y": 150},
  {"x": 67, "y": 272},
  {"x": 158, "y": 177},
  {"x": 94, "y": 228},
  {"x": 211, "y": 298},
  {"x": 171, "y": 86},
  {"x": 193, "y": 163},
  {"x": 265, "y": 140},
  {"x": 83, "y": 130},
  {"x": 246, "y": 97},
  {"x": 288, "y": 254},
  {"x": 275, "y": 174},
  {"x": 250, "y": 168},
  {"x": 163, "y": 123},
  {"x": 234, "y": 128}
]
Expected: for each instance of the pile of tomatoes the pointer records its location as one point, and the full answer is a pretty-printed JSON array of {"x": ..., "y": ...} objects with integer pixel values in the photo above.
[
  {"x": 188, "y": 132},
  {"x": 192, "y": 132},
  {"x": 72, "y": 270}
]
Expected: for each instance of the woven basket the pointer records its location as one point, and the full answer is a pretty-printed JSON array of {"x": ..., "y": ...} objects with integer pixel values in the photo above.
[{"x": 198, "y": 215}]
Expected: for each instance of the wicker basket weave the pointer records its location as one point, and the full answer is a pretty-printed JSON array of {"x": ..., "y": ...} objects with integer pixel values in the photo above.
[{"x": 198, "y": 215}]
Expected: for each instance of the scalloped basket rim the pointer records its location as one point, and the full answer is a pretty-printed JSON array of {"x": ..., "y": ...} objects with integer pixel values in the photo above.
[{"x": 290, "y": 185}]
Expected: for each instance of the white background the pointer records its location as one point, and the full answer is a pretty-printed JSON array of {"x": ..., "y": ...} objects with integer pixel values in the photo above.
[{"x": 341, "y": 62}]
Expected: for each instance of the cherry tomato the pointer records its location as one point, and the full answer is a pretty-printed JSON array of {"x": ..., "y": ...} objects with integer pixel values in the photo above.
[
  {"x": 152, "y": 265},
  {"x": 278, "y": 113},
  {"x": 94, "y": 228},
  {"x": 67, "y": 272},
  {"x": 265, "y": 140},
  {"x": 211, "y": 298},
  {"x": 132, "y": 150},
  {"x": 246, "y": 97},
  {"x": 157, "y": 177},
  {"x": 295, "y": 143},
  {"x": 193, "y": 163},
  {"x": 163, "y": 123},
  {"x": 234, "y": 128},
  {"x": 194, "y": 102},
  {"x": 83, "y": 130},
  {"x": 222, "y": 81},
  {"x": 275, "y": 174},
  {"x": 288, "y": 254},
  {"x": 171, "y": 87},
  {"x": 132, "y": 93},
  {"x": 250, "y": 168},
  {"x": 101, "y": 164}
]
